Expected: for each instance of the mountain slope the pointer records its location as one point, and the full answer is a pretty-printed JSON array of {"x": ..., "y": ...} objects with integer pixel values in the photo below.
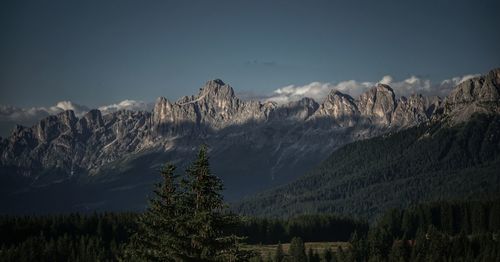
[{"x": 429, "y": 162}]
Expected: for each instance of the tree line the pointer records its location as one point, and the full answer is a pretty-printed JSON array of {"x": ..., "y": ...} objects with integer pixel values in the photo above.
[
  {"x": 440, "y": 231},
  {"x": 187, "y": 220},
  {"x": 311, "y": 228}
]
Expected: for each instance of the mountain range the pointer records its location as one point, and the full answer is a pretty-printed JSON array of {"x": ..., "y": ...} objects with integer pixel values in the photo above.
[{"x": 110, "y": 161}]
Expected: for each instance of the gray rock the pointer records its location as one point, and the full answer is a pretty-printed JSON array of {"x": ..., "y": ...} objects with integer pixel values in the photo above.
[{"x": 476, "y": 95}]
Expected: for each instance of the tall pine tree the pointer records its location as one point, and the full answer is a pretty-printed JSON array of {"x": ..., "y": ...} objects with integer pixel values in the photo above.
[
  {"x": 210, "y": 223},
  {"x": 187, "y": 221},
  {"x": 159, "y": 236}
]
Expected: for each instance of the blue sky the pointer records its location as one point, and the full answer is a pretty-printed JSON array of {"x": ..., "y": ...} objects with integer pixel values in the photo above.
[{"x": 101, "y": 52}]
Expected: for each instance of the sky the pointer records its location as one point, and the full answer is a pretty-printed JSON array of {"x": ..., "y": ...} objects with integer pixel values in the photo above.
[{"x": 105, "y": 53}]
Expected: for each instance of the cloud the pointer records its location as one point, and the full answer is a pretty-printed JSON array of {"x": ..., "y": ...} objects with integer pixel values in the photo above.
[
  {"x": 13, "y": 113},
  {"x": 406, "y": 87},
  {"x": 386, "y": 80},
  {"x": 126, "y": 105},
  {"x": 317, "y": 91},
  {"x": 409, "y": 86}
]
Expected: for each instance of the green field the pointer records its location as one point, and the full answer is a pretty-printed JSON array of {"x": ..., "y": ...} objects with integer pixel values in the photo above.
[{"x": 317, "y": 247}]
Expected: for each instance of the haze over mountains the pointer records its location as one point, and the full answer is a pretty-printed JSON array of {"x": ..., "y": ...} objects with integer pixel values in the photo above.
[{"x": 107, "y": 162}]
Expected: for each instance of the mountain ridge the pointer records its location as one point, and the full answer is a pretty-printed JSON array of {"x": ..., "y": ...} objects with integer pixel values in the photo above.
[{"x": 287, "y": 139}]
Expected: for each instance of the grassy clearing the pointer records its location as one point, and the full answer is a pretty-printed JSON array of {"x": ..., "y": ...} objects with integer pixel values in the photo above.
[{"x": 317, "y": 247}]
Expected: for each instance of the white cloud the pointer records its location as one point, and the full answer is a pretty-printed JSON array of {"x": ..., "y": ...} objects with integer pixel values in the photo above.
[
  {"x": 126, "y": 105},
  {"x": 411, "y": 85},
  {"x": 386, "y": 80},
  {"x": 315, "y": 90},
  {"x": 13, "y": 113},
  {"x": 405, "y": 87}
]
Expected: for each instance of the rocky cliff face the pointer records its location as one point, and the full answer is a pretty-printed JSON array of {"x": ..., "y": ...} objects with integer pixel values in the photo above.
[
  {"x": 285, "y": 139},
  {"x": 476, "y": 95}
]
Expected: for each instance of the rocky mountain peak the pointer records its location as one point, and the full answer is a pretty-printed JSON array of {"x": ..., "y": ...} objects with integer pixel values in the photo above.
[
  {"x": 54, "y": 125},
  {"x": 339, "y": 106},
  {"x": 217, "y": 89},
  {"x": 483, "y": 88},
  {"x": 90, "y": 121},
  {"x": 379, "y": 102},
  {"x": 334, "y": 94},
  {"x": 478, "y": 94},
  {"x": 218, "y": 81},
  {"x": 384, "y": 88}
]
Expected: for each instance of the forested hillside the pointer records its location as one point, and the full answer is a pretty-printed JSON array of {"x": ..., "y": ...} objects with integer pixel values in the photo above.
[
  {"x": 441, "y": 231},
  {"x": 428, "y": 162}
]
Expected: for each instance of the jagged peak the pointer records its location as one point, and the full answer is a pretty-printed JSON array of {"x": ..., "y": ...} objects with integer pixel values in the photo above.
[
  {"x": 336, "y": 93},
  {"x": 17, "y": 129},
  {"x": 494, "y": 73},
  {"x": 383, "y": 87},
  {"x": 161, "y": 100},
  {"x": 217, "y": 81},
  {"x": 67, "y": 114},
  {"x": 216, "y": 88},
  {"x": 94, "y": 114},
  {"x": 481, "y": 88}
]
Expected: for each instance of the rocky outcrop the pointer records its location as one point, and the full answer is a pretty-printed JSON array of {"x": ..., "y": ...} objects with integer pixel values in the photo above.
[
  {"x": 411, "y": 111},
  {"x": 476, "y": 95},
  {"x": 378, "y": 104},
  {"x": 340, "y": 108}
]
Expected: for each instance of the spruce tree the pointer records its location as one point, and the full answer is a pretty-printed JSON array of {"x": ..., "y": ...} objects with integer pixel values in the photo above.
[
  {"x": 210, "y": 223},
  {"x": 187, "y": 221},
  {"x": 158, "y": 237}
]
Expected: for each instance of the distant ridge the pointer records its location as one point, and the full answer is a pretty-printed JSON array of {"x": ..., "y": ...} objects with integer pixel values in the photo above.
[{"x": 254, "y": 145}]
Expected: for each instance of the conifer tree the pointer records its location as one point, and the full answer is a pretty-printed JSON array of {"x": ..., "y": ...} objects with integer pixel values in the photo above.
[
  {"x": 359, "y": 247},
  {"x": 210, "y": 223},
  {"x": 187, "y": 221},
  {"x": 158, "y": 237}
]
